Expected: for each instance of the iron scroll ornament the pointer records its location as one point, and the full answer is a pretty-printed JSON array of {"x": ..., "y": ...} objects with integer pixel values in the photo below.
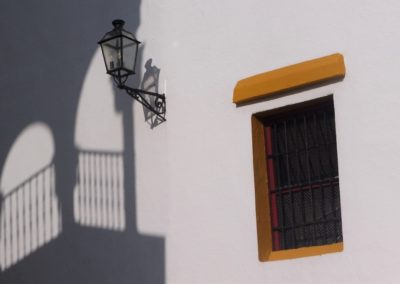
[{"x": 140, "y": 95}]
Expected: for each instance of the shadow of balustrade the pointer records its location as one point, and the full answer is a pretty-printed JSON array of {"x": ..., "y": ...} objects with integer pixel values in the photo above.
[
  {"x": 99, "y": 199},
  {"x": 30, "y": 217}
]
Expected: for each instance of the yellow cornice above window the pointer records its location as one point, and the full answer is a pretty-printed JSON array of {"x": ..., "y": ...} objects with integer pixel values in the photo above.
[{"x": 305, "y": 74}]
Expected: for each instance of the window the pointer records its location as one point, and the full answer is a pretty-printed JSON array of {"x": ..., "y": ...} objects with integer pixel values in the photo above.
[
  {"x": 297, "y": 181},
  {"x": 295, "y": 161}
]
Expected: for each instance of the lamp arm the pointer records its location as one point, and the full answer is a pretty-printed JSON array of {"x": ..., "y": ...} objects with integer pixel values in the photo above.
[{"x": 137, "y": 94}]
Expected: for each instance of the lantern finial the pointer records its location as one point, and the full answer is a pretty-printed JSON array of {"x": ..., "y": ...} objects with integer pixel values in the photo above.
[{"x": 118, "y": 24}]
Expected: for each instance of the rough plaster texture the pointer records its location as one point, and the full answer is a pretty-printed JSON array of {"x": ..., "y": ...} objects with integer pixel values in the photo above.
[{"x": 206, "y": 177}]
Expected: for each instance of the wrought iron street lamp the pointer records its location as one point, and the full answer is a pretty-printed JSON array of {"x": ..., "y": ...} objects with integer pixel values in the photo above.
[{"x": 120, "y": 49}]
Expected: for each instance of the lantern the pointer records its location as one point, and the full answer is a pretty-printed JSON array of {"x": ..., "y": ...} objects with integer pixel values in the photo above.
[{"x": 120, "y": 50}]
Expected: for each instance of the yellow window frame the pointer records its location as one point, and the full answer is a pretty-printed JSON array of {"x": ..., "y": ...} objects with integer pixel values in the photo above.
[{"x": 309, "y": 73}]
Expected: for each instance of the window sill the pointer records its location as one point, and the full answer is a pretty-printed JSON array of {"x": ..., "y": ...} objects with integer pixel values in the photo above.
[{"x": 302, "y": 252}]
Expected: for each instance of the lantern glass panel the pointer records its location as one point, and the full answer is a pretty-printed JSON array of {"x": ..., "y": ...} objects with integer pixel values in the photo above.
[
  {"x": 112, "y": 53},
  {"x": 130, "y": 48}
]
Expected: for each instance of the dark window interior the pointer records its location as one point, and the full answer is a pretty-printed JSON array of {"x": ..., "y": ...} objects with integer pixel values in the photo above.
[{"x": 303, "y": 178}]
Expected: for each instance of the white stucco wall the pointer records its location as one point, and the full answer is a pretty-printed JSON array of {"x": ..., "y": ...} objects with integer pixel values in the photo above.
[{"x": 194, "y": 172}]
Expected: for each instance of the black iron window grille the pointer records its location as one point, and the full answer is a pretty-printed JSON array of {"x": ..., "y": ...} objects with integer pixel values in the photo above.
[{"x": 303, "y": 178}]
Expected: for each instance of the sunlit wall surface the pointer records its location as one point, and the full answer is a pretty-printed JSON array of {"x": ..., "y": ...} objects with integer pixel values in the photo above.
[{"x": 203, "y": 48}]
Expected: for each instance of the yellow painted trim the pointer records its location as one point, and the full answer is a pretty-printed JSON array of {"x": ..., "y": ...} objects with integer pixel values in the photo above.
[
  {"x": 289, "y": 78},
  {"x": 303, "y": 252},
  {"x": 261, "y": 190}
]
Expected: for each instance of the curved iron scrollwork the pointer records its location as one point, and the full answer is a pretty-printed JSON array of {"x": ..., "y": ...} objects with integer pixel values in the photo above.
[{"x": 159, "y": 105}]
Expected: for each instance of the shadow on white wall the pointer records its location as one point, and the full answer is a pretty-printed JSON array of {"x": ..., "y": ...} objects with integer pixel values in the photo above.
[
  {"x": 99, "y": 191},
  {"x": 30, "y": 213},
  {"x": 150, "y": 83},
  {"x": 99, "y": 199}
]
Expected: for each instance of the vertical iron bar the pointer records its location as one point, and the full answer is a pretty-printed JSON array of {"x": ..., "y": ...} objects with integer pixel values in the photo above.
[
  {"x": 272, "y": 187},
  {"x": 334, "y": 213},
  {"x": 332, "y": 134},
  {"x": 289, "y": 181},
  {"x": 318, "y": 145},
  {"x": 309, "y": 174},
  {"x": 279, "y": 185},
  {"x": 334, "y": 167},
  {"x": 303, "y": 176}
]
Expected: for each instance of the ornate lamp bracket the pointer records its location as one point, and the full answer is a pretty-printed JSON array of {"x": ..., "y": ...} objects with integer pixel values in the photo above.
[{"x": 142, "y": 96}]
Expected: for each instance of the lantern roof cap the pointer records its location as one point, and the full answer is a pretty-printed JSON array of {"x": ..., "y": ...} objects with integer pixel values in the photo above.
[{"x": 118, "y": 31}]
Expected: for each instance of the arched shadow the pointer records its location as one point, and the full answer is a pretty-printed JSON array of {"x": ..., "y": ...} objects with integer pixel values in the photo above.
[{"x": 41, "y": 79}]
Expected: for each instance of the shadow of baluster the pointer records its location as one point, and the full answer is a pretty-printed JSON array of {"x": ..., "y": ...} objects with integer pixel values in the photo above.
[
  {"x": 99, "y": 191},
  {"x": 29, "y": 217}
]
